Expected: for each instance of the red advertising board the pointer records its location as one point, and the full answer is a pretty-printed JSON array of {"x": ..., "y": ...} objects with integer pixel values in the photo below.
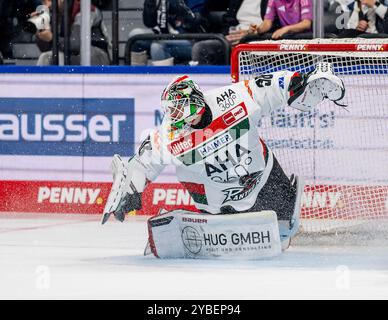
[
  {"x": 320, "y": 201},
  {"x": 84, "y": 197}
]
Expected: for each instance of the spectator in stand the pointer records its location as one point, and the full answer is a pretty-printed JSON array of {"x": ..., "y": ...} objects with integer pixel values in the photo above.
[
  {"x": 250, "y": 12},
  {"x": 241, "y": 14},
  {"x": 381, "y": 8},
  {"x": 197, "y": 6},
  {"x": 168, "y": 17},
  {"x": 13, "y": 14},
  {"x": 184, "y": 21},
  {"x": 295, "y": 17},
  {"x": 100, "y": 39},
  {"x": 367, "y": 17}
]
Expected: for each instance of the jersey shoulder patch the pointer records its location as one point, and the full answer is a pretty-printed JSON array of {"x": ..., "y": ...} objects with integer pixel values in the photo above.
[{"x": 224, "y": 98}]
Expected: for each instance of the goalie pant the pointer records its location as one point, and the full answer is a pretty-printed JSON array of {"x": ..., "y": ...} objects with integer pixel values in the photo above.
[{"x": 225, "y": 165}]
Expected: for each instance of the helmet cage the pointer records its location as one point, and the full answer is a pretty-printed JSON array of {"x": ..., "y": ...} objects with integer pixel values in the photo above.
[{"x": 182, "y": 102}]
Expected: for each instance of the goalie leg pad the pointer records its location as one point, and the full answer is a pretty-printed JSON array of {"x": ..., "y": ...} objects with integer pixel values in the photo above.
[
  {"x": 282, "y": 195},
  {"x": 180, "y": 234},
  {"x": 117, "y": 192},
  {"x": 128, "y": 184}
]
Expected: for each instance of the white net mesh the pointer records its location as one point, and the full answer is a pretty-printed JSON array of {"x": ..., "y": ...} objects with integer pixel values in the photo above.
[{"x": 343, "y": 156}]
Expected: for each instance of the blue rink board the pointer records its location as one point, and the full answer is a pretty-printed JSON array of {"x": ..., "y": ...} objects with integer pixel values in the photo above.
[
  {"x": 67, "y": 126},
  {"x": 116, "y": 69}
]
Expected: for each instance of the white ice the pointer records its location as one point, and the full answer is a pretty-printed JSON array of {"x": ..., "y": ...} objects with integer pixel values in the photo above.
[{"x": 74, "y": 257}]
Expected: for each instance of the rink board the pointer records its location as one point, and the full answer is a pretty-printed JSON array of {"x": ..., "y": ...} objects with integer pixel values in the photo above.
[
  {"x": 59, "y": 128},
  {"x": 90, "y": 198},
  {"x": 67, "y": 126}
]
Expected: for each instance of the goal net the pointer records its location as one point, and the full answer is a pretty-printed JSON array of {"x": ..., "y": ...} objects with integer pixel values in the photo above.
[{"x": 342, "y": 155}]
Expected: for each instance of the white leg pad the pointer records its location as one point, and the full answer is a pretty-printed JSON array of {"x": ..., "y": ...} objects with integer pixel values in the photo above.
[{"x": 180, "y": 234}]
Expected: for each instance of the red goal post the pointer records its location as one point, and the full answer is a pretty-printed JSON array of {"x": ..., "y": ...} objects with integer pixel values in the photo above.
[
  {"x": 341, "y": 154},
  {"x": 339, "y": 47}
]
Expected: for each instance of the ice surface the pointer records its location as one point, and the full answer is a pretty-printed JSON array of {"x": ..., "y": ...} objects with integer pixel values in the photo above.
[{"x": 74, "y": 257}]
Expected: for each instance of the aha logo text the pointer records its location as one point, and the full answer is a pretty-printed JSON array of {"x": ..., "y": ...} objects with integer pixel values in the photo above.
[{"x": 226, "y": 99}]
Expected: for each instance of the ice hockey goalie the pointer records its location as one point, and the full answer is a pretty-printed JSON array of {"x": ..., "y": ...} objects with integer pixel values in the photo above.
[{"x": 248, "y": 206}]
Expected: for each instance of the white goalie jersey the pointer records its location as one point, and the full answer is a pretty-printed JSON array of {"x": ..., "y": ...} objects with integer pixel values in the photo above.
[
  {"x": 213, "y": 140},
  {"x": 226, "y": 163}
]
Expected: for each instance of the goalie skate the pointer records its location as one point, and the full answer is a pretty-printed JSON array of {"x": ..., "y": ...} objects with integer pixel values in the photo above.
[
  {"x": 147, "y": 249},
  {"x": 117, "y": 192},
  {"x": 289, "y": 228}
]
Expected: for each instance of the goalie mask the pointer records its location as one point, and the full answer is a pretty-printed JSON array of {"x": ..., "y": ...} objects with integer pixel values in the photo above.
[{"x": 182, "y": 102}]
